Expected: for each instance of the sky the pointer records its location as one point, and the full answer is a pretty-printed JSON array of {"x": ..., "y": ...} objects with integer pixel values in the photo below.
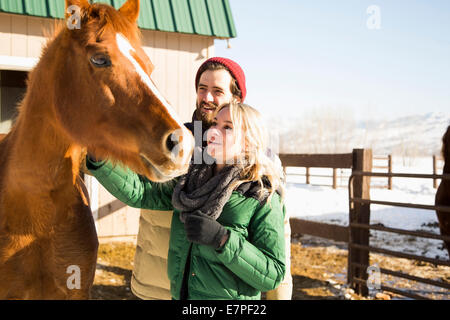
[{"x": 379, "y": 59}]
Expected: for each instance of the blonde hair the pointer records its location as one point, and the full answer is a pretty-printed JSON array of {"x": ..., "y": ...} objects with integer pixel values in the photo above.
[{"x": 255, "y": 161}]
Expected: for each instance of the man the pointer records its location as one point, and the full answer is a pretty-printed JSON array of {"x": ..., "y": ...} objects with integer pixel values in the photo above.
[{"x": 218, "y": 81}]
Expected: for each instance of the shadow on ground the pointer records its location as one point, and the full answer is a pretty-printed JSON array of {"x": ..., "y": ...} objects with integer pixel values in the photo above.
[{"x": 306, "y": 288}]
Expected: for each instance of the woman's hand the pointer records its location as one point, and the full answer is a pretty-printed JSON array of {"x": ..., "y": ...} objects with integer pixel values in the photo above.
[
  {"x": 93, "y": 163},
  {"x": 204, "y": 230},
  {"x": 92, "y": 158}
]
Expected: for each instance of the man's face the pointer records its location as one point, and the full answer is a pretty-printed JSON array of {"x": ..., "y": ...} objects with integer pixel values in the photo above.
[{"x": 213, "y": 92}]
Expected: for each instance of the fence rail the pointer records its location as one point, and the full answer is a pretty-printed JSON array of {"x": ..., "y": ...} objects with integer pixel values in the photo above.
[
  {"x": 319, "y": 229},
  {"x": 343, "y": 160}
]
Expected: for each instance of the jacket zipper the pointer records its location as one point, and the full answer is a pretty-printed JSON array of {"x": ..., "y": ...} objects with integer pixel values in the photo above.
[{"x": 184, "y": 292}]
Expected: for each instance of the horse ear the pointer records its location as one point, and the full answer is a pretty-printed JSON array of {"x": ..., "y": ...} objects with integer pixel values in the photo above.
[
  {"x": 82, "y": 4},
  {"x": 130, "y": 9},
  {"x": 75, "y": 9}
]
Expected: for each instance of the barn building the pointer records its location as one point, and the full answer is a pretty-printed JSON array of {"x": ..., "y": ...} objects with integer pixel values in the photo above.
[{"x": 177, "y": 35}]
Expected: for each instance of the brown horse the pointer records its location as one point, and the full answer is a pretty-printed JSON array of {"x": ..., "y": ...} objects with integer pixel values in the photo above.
[
  {"x": 443, "y": 191},
  {"x": 91, "y": 90}
]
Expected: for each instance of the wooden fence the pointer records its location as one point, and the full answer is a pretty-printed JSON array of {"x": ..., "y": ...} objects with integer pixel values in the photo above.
[
  {"x": 333, "y": 161},
  {"x": 437, "y": 164},
  {"x": 356, "y": 160},
  {"x": 357, "y": 234},
  {"x": 387, "y": 166}
]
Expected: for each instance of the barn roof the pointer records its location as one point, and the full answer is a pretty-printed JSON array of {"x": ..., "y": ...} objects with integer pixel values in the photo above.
[{"x": 202, "y": 17}]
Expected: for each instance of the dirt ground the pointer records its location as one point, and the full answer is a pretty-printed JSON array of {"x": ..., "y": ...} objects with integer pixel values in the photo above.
[
  {"x": 318, "y": 266},
  {"x": 113, "y": 274},
  {"x": 319, "y": 269}
]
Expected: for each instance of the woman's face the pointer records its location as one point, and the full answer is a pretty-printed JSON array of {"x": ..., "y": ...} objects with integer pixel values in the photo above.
[{"x": 221, "y": 138}]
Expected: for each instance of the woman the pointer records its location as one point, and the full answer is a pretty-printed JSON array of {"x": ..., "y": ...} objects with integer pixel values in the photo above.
[{"x": 227, "y": 234}]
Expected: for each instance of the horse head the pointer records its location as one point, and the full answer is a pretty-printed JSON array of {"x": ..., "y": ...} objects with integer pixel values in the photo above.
[{"x": 105, "y": 99}]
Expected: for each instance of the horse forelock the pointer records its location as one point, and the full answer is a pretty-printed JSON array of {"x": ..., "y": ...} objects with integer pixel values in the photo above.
[{"x": 101, "y": 19}]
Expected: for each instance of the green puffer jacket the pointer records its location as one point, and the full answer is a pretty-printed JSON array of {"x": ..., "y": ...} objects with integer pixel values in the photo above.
[{"x": 253, "y": 258}]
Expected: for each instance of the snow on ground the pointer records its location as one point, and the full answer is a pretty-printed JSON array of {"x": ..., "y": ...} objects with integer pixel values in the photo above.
[{"x": 319, "y": 202}]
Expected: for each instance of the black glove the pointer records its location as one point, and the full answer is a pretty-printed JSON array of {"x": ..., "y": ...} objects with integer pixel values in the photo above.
[{"x": 204, "y": 230}]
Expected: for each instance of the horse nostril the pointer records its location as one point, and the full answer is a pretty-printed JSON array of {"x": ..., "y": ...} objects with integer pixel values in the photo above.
[{"x": 171, "y": 142}]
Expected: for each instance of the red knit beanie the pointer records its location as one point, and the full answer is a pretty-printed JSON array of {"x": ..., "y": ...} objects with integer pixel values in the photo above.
[{"x": 236, "y": 72}]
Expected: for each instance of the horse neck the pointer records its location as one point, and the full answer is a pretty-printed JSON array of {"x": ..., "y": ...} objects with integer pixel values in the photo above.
[
  {"x": 446, "y": 164},
  {"x": 42, "y": 157}
]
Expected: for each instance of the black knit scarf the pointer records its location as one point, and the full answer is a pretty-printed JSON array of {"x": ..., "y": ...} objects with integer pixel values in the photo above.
[{"x": 201, "y": 190}]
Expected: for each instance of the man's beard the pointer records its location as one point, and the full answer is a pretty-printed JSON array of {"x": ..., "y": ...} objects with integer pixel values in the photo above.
[{"x": 207, "y": 118}]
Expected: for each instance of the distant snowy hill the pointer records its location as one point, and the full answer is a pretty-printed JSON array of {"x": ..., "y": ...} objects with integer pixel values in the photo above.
[
  {"x": 417, "y": 135},
  {"x": 333, "y": 132}
]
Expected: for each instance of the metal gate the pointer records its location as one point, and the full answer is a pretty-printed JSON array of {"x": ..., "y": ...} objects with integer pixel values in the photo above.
[{"x": 359, "y": 247}]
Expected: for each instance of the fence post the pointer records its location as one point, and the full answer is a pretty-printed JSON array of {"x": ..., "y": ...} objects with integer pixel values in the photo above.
[
  {"x": 334, "y": 178},
  {"x": 359, "y": 213},
  {"x": 307, "y": 175},
  {"x": 390, "y": 171}
]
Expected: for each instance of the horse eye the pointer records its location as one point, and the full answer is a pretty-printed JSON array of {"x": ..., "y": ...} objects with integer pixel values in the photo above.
[{"x": 100, "y": 60}]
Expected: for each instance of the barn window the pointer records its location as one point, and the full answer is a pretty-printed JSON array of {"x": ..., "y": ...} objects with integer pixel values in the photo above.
[{"x": 12, "y": 91}]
